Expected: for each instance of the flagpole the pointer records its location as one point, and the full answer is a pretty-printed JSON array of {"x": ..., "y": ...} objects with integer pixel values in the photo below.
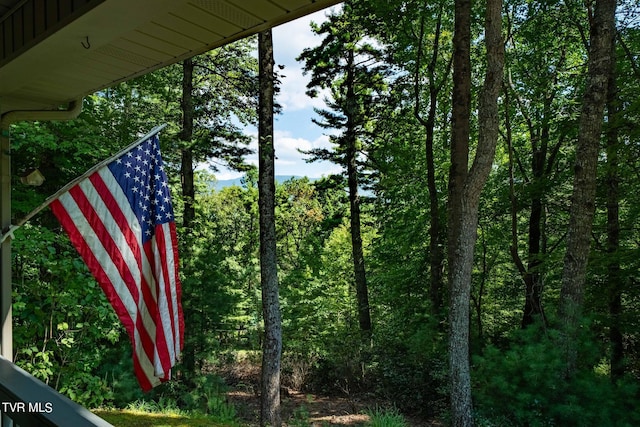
[{"x": 9, "y": 232}]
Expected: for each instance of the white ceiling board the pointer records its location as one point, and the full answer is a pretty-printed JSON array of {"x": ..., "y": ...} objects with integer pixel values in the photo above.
[{"x": 130, "y": 38}]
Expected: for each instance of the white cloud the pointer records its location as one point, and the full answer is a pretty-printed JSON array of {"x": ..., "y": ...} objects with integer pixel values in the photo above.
[
  {"x": 295, "y": 131},
  {"x": 287, "y": 146},
  {"x": 289, "y": 40},
  {"x": 290, "y": 161},
  {"x": 293, "y": 95},
  {"x": 226, "y": 174},
  {"x": 323, "y": 140}
]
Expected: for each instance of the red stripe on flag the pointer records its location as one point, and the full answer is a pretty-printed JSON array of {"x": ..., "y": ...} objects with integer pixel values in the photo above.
[
  {"x": 162, "y": 347},
  {"x": 105, "y": 238},
  {"x": 141, "y": 373},
  {"x": 162, "y": 279},
  {"x": 141, "y": 261},
  {"x": 97, "y": 269},
  {"x": 110, "y": 246},
  {"x": 178, "y": 288},
  {"x": 79, "y": 243},
  {"x": 105, "y": 283}
]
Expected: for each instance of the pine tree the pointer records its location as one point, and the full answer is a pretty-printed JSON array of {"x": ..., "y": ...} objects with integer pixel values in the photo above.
[
  {"x": 349, "y": 67},
  {"x": 272, "y": 345}
]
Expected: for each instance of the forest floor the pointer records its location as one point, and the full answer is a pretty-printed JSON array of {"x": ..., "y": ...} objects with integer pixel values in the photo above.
[{"x": 300, "y": 408}]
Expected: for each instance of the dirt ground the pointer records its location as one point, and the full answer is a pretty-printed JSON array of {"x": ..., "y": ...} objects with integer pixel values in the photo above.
[{"x": 299, "y": 408}]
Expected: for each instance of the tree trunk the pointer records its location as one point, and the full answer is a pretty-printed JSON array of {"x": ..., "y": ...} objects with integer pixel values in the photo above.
[
  {"x": 460, "y": 123},
  {"x": 616, "y": 280},
  {"x": 584, "y": 185},
  {"x": 436, "y": 253},
  {"x": 362, "y": 293},
  {"x": 188, "y": 190},
  {"x": 272, "y": 345},
  {"x": 541, "y": 166},
  {"x": 532, "y": 276},
  {"x": 459, "y": 286},
  {"x": 465, "y": 206}
]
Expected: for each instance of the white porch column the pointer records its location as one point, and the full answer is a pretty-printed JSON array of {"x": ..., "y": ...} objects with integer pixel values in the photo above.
[
  {"x": 6, "y": 323},
  {"x": 6, "y": 331}
]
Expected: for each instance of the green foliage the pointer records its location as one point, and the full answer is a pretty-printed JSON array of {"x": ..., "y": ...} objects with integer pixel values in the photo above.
[
  {"x": 161, "y": 406},
  {"x": 201, "y": 398},
  {"x": 523, "y": 384},
  {"x": 220, "y": 275},
  {"x": 63, "y": 324},
  {"x": 352, "y": 70},
  {"x": 218, "y": 408},
  {"x": 380, "y": 417},
  {"x": 224, "y": 97},
  {"x": 409, "y": 365},
  {"x": 38, "y": 362},
  {"x": 203, "y": 394},
  {"x": 300, "y": 417},
  {"x": 316, "y": 287}
]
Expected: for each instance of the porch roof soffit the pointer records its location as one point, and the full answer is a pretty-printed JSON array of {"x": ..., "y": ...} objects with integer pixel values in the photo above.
[{"x": 56, "y": 51}]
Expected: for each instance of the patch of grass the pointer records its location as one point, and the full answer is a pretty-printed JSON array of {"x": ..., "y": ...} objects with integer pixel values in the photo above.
[
  {"x": 161, "y": 406},
  {"x": 386, "y": 418},
  {"x": 137, "y": 418}
]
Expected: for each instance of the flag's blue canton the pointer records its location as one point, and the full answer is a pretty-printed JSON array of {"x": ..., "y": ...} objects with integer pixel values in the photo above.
[{"x": 141, "y": 175}]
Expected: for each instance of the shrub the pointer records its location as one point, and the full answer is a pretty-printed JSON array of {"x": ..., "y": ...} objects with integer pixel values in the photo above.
[
  {"x": 386, "y": 418},
  {"x": 410, "y": 370},
  {"x": 523, "y": 385}
]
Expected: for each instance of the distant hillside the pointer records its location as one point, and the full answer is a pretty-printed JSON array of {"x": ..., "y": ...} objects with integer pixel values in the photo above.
[{"x": 238, "y": 181}]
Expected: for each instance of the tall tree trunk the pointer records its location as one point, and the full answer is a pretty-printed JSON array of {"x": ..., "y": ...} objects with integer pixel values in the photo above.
[
  {"x": 533, "y": 280},
  {"x": 616, "y": 280},
  {"x": 272, "y": 345},
  {"x": 465, "y": 206},
  {"x": 541, "y": 165},
  {"x": 532, "y": 276},
  {"x": 460, "y": 124},
  {"x": 436, "y": 253},
  {"x": 188, "y": 191},
  {"x": 459, "y": 286},
  {"x": 584, "y": 185},
  {"x": 188, "y": 194},
  {"x": 362, "y": 293}
]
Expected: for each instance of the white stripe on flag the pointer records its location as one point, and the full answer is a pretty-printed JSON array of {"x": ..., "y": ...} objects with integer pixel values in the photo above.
[
  {"x": 128, "y": 256},
  {"x": 115, "y": 278},
  {"x": 166, "y": 317}
]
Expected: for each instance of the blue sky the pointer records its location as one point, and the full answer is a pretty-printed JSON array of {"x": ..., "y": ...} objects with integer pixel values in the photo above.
[{"x": 293, "y": 128}]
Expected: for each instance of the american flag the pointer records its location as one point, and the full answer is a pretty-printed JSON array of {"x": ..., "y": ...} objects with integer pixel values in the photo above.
[{"x": 120, "y": 219}]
